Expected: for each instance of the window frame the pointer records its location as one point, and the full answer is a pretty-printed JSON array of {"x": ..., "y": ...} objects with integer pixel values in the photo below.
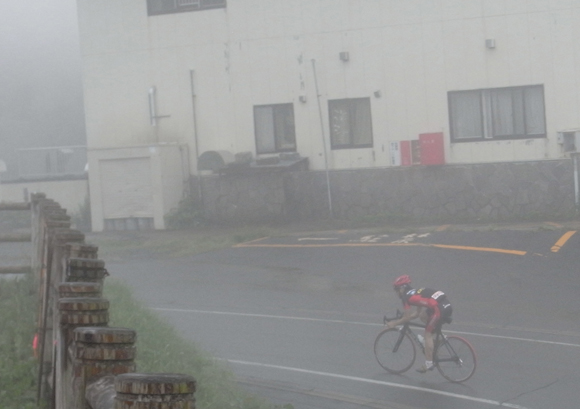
[
  {"x": 277, "y": 139},
  {"x": 203, "y": 5},
  {"x": 352, "y": 118},
  {"x": 487, "y": 124}
]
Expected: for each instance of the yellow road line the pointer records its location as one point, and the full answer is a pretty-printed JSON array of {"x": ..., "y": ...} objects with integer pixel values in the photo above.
[
  {"x": 515, "y": 252},
  {"x": 556, "y": 247},
  {"x": 445, "y": 246},
  {"x": 442, "y": 228},
  {"x": 250, "y": 242}
]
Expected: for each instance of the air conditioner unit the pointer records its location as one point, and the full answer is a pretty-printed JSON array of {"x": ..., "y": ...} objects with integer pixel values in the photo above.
[{"x": 570, "y": 140}]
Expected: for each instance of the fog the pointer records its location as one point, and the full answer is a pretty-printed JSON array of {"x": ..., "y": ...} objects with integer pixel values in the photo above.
[{"x": 40, "y": 77}]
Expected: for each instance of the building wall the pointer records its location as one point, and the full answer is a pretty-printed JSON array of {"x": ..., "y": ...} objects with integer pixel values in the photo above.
[
  {"x": 135, "y": 187},
  {"x": 258, "y": 52}
]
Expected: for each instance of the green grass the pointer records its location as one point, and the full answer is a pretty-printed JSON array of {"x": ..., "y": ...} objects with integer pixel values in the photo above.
[
  {"x": 160, "y": 349},
  {"x": 18, "y": 367},
  {"x": 172, "y": 243}
]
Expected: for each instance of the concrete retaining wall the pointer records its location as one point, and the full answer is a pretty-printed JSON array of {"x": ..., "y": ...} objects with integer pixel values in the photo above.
[{"x": 489, "y": 192}]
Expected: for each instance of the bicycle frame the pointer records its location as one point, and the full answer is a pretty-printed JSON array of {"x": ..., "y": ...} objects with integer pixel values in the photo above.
[
  {"x": 406, "y": 328},
  {"x": 453, "y": 356}
]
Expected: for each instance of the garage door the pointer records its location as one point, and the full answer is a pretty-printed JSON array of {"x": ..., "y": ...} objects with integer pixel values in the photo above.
[{"x": 126, "y": 188}]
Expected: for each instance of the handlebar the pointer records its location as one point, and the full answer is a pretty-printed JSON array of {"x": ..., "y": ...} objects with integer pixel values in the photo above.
[
  {"x": 398, "y": 315},
  {"x": 387, "y": 319}
]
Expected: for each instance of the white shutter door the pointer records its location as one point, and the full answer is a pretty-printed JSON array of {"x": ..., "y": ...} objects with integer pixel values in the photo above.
[{"x": 126, "y": 188}]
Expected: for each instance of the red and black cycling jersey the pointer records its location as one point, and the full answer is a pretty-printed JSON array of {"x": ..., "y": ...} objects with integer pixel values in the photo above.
[
  {"x": 426, "y": 297},
  {"x": 439, "y": 309}
]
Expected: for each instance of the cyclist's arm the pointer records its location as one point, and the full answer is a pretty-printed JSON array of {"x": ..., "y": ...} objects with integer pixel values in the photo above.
[{"x": 408, "y": 315}]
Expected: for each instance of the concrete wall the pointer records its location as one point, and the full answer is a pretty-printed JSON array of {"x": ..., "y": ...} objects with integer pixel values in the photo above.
[
  {"x": 71, "y": 193},
  {"x": 257, "y": 52},
  {"x": 481, "y": 192}
]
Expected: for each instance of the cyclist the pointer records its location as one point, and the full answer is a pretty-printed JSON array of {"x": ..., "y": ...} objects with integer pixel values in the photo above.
[{"x": 433, "y": 309}]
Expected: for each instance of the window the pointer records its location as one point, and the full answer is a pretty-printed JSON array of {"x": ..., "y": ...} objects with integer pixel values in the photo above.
[
  {"x": 350, "y": 123},
  {"x": 274, "y": 127},
  {"x": 499, "y": 113},
  {"x": 155, "y": 7}
]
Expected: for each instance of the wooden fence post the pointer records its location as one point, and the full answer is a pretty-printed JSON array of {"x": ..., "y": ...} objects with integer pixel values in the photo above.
[
  {"x": 86, "y": 270},
  {"x": 81, "y": 250},
  {"x": 98, "y": 354},
  {"x": 80, "y": 290},
  {"x": 91, "y": 365},
  {"x": 52, "y": 218},
  {"x": 74, "y": 313},
  {"x": 154, "y": 391}
]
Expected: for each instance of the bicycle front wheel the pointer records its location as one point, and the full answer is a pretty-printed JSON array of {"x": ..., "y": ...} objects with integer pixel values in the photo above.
[
  {"x": 455, "y": 359},
  {"x": 394, "y": 350}
]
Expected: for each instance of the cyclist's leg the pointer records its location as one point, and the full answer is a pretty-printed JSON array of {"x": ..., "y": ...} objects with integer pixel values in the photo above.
[
  {"x": 429, "y": 342},
  {"x": 424, "y": 315},
  {"x": 430, "y": 329}
]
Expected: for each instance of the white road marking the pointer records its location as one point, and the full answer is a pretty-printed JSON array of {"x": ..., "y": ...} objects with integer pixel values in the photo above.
[
  {"x": 282, "y": 317},
  {"x": 409, "y": 238},
  {"x": 370, "y": 239},
  {"x": 383, "y": 383},
  {"x": 539, "y": 341}
]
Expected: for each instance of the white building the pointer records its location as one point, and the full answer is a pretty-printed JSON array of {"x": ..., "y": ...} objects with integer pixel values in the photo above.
[{"x": 498, "y": 79}]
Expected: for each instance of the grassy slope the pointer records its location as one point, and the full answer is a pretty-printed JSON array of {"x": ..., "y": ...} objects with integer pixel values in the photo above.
[
  {"x": 17, "y": 326},
  {"x": 161, "y": 349}
]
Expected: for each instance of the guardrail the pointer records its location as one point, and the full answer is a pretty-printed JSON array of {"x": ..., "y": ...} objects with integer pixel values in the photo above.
[
  {"x": 84, "y": 363},
  {"x": 14, "y": 238}
]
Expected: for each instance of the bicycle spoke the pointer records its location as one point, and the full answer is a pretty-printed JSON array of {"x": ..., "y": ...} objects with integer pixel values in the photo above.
[
  {"x": 394, "y": 350},
  {"x": 455, "y": 359}
]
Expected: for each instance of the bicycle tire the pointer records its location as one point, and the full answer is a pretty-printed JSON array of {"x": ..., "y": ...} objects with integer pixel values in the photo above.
[
  {"x": 455, "y": 359},
  {"x": 399, "y": 361}
]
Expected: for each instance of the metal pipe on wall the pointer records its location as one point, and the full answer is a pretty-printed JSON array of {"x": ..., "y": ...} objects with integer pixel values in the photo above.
[
  {"x": 195, "y": 137},
  {"x": 576, "y": 192},
  {"x": 152, "y": 107},
  {"x": 323, "y": 141}
]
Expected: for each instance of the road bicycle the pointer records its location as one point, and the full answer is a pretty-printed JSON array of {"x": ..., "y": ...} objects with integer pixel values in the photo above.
[{"x": 396, "y": 350}]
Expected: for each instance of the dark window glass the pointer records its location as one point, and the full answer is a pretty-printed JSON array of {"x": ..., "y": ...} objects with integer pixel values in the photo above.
[
  {"x": 274, "y": 128},
  {"x": 350, "y": 123},
  {"x": 498, "y": 113},
  {"x": 155, "y": 7}
]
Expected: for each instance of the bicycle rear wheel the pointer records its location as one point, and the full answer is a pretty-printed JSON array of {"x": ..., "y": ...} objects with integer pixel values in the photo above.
[
  {"x": 455, "y": 359},
  {"x": 394, "y": 350}
]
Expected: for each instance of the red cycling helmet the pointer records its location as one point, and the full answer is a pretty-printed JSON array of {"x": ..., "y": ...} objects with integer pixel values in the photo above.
[{"x": 400, "y": 281}]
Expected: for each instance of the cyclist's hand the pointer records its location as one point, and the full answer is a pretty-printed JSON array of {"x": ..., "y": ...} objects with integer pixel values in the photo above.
[{"x": 390, "y": 324}]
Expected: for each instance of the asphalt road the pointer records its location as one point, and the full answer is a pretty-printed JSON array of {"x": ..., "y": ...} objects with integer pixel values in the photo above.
[{"x": 296, "y": 317}]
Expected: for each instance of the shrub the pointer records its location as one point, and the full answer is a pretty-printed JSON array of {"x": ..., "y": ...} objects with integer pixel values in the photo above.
[{"x": 187, "y": 214}]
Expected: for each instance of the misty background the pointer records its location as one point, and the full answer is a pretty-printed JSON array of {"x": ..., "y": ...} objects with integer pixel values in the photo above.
[{"x": 41, "y": 102}]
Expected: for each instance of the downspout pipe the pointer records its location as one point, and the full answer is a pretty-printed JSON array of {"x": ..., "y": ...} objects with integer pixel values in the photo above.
[
  {"x": 576, "y": 189},
  {"x": 323, "y": 141},
  {"x": 195, "y": 138}
]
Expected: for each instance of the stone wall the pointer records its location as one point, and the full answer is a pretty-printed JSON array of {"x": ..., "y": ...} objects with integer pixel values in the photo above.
[
  {"x": 256, "y": 197},
  {"x": 481, "y": 192}
]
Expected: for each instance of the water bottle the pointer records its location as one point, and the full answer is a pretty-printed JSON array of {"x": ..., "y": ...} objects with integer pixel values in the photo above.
[{"x": 421, "y": 339}]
